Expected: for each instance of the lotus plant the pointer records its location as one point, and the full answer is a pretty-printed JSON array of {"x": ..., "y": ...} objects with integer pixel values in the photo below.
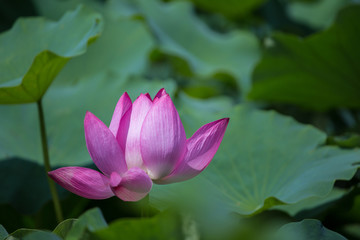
[{"x": 144, "y": 143}]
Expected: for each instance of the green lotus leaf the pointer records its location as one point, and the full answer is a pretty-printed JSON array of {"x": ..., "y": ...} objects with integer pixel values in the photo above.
[
  {"x": 265, "y": 159},
  {"x": 63, "y": 228},
  {"x": 206, "y": 51},
  {"x": 312, "y": 202},
  {"x": 35, "y": 50},
  {"x": 308, "y": 229},
  {"x": 317, "y": 14},
  {"x": 122, "y": 49},
  {"x": 54, "y": 9},
  {"x": 319, "y": 72},
  {"x": 41, "y": 235},
  {"x": 165, "y": 226},
  {"x": 22, "y": 233}
]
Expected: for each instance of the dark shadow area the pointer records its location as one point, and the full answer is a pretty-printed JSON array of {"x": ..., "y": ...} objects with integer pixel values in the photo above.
[
  {"x": 11, "y": 10},
  {"x": 24, "y": 185}
]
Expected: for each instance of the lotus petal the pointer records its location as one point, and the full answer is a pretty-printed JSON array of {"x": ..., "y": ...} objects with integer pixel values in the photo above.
[
  {"x": 84, "y": 182},
  {"x": 140, "y": 108},
  {"x": 201, "y": 148},
  {"x": 162, "y": 138},
  {"x": 135, "y": 184},
  {"x": 103, "y": 146}
]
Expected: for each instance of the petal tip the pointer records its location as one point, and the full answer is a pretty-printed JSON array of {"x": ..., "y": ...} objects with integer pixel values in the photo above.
[
  {"x": 51, "y": 174},
  {"x": 162, "y": 92},
  {"x": 88, "y": 116},
  {"x": 226, "y": 120},
  {"x": 148, "y": 96},
  {"x": 125, "y": 94},
  {"x": 124, "y": 98}
]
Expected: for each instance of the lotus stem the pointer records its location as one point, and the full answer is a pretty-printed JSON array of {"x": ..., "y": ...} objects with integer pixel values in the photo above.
[{"x": 54, "y": 193}]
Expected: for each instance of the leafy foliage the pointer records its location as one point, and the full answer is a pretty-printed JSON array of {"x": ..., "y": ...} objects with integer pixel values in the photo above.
[
  {"x": 64, "y": 227},
  {"x": 91, "y": 221},
  {"x": 307, "y": 229},
  {"x": 319, "y": 14},
  {"x": 41, "y": 236},
  {"x": 269, "y": 167},
  {"x": 312, "y": 202},
  {"x": 14, "y": 173},
  {"x": 318, "y": 72},
  {"x": 207, "y": 52},
  {"x": 69, "y": 229},
  {"x": 129, "y": 43},
  {"x": 163, "y": 226},
  {"x": 254, "y": 170},
  {"x": 35, "y": 50}
]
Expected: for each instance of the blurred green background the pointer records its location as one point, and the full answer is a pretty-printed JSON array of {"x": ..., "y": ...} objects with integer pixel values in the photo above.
[{"x": 286, "y": 72}]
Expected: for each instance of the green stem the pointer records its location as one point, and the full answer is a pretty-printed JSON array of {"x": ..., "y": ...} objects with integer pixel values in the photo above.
[{"x": 54, "y": 194}]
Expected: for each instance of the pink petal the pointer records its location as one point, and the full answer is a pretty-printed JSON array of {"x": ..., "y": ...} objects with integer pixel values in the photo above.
[
  {"x": 148, "y": 96},
  {"x": 102, "y": 146},
  {"x": 162, "y": 138},
  {"x": 134, "y": 185},
  {"x": 201, "y": 148},
  {"x": 115, "y": 179},
  {"x": 84, "y": 182},
  {"x": 123, "y": 105},
  {"x": 160, "y": 93},
  {"x": 140, "y": 108}
]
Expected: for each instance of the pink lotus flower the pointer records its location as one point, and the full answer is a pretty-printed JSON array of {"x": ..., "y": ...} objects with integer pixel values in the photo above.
[{"x": 144, "y": 143}]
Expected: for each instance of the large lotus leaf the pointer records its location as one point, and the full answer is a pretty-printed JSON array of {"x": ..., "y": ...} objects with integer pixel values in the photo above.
[
  {"x": 122, "y": 49},
  {"x": 22, "y": 233},
  {"x": 116, "y": 8},
  {"x": 318, "y": 14},
  {"x": 312, "y": 202},
  {"x": 32, "y": 234},
  {"x": 230, "y": 8},
  {"x": 206, "y": 51},
  {"x": 318, "y": 72},
  {"x": 54, "y": 9},
  {"x": 308, "y": 229},
  {"x": 165, "y": 226},
  {"x": 70, "y": 229},
  {"x": 65, "y": 108},
  {"x": 265, "y": 159},
  {"x": 195, "y": 112},
  {"x": 41, "y": 235},
  {"x": 35, "y": 50}
]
